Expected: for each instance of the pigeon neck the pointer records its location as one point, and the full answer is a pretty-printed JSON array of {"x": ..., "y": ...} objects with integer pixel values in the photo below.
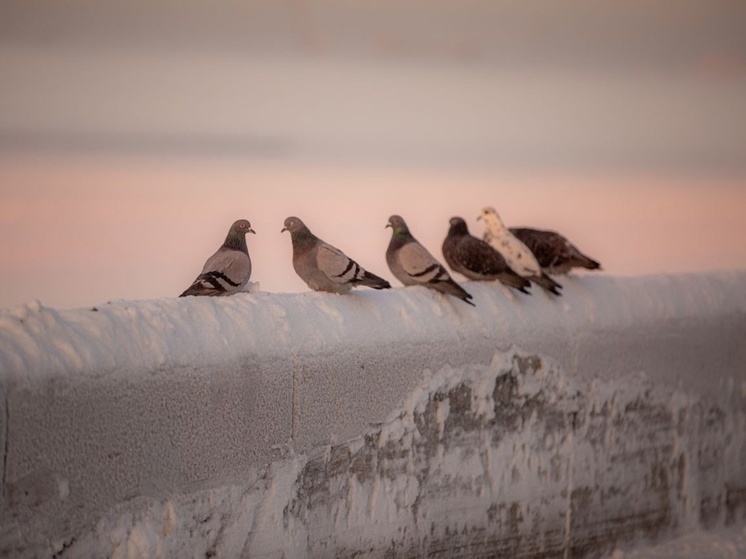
[
  {"x": 497, "y": 227},
  {"x": 458, "y": 230},
  {"x": 236, "y": 241},
  {"x": 402, "y": 232},
  {"x": 401, "y": 237},
  {"x": 303, "y": 237}
]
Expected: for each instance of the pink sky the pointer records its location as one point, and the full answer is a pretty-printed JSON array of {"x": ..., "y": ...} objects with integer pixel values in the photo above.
[
  {"x": 83, "y": 231},
  {"x": 121, "y": 142}
]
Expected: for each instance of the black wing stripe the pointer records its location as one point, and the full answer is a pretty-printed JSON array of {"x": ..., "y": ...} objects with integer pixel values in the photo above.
[
  {"x": 213, "y": 278},
  {"x": 426, "y": 271},
  {"x": 350, "y": 264},
  {"x": 441, "y": 277}
]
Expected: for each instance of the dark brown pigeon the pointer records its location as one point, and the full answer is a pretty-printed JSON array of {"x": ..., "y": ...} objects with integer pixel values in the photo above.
[
  {"x": 554, "y": 252},
  {"x": 477, "y": 260}
]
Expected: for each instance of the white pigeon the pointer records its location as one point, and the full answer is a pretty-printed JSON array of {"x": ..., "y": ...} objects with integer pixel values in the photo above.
[
  {"x": 518, "y": 256},
  {"x": 228, "y": 270},
  {"x": 324, "y": 267}
]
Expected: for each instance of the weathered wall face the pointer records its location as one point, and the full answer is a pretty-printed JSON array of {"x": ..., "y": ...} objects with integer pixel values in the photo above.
[
  {"x": 380, "y": 424},
  {"x": 519, "y": 459}
]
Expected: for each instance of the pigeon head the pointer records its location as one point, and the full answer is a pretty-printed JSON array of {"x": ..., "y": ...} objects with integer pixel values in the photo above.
[
  {"x": 242, "y": 226},
  {"x": 236, "y": 238},
  {"x": 293, "y": 224},
  {"x": 458, "y": 226},
  {"x": 491, "y": 219},
  {"x": 397, "y": 224}
]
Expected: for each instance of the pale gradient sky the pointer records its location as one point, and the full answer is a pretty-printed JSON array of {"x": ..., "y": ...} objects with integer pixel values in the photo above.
[
  {"x": 133, "y": 133},
  {"x": 76, "y": 231}
]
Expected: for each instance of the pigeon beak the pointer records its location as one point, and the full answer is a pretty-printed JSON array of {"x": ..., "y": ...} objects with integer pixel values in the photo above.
[
  {"x": 251, "y": 231},
  {"x": 387, "y": 225},
  {"x": 284, "y": 229},
  {"x": 479, "y": 217}
]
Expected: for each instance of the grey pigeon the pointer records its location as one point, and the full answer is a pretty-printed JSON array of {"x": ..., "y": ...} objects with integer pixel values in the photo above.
[
  {"x": 324, "y": 267},
  {"x": 412, "y": 264},
  {"x": 228, "y": 270},
  {"x": 555, "y": 254},
  {"x": 476, "y": 259}
]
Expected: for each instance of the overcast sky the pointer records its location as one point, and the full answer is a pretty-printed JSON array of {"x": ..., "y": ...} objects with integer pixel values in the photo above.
[
  {"x": 633, "y": 85},
  {"x": 667, "y": 35}
]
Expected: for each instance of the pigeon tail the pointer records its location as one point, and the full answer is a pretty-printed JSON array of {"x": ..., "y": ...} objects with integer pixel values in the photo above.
[
  {"x": 548, "y": 284},
  {"x": 515, "y": 281},
  {"x": 452, "y": 288},
  {"x": 588, "y": 263},
  {"x": 200, "y": 290},
  {"x": 372, "y": 280},
  {"x": 212, "y": 284}
]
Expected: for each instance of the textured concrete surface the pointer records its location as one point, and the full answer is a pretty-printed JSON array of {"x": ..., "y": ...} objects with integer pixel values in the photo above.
[{"x": 312, "y": 425}]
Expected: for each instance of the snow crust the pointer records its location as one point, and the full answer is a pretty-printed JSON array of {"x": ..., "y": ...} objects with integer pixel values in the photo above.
[
  {"x": 37, "y": 340},
  {"x": 308, "y": 425}
]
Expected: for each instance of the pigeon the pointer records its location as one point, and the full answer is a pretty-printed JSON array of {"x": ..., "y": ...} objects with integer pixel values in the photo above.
[
  {"x": 518, "y": 256},
  {"x": 554, "y": 252},
  {"x": 476, "y": 259},
  {"x": 412, "y": 264},
  {"x": 324, "y": 267},
  {"x": 228, "y": 270}
]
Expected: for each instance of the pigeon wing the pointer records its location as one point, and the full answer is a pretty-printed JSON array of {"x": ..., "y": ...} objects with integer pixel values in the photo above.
[
  {"x": 225, "y": 272},
  {"x": 420, "y": 265},
  {"x": 478, "y": 256},
  {"x": 337, "y": 266}
]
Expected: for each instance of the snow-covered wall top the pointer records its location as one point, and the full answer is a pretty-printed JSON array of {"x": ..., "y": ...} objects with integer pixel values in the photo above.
[
  {"x": 169, "y": 397},
  {"x": 170, "y": 332}
]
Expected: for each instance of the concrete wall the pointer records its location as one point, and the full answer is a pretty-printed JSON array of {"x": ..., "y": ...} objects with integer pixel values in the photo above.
[{"x": 399, "y": 423}]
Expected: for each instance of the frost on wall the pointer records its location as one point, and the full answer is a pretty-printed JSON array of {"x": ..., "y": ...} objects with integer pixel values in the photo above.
[{"x": 514, "y": 458}]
